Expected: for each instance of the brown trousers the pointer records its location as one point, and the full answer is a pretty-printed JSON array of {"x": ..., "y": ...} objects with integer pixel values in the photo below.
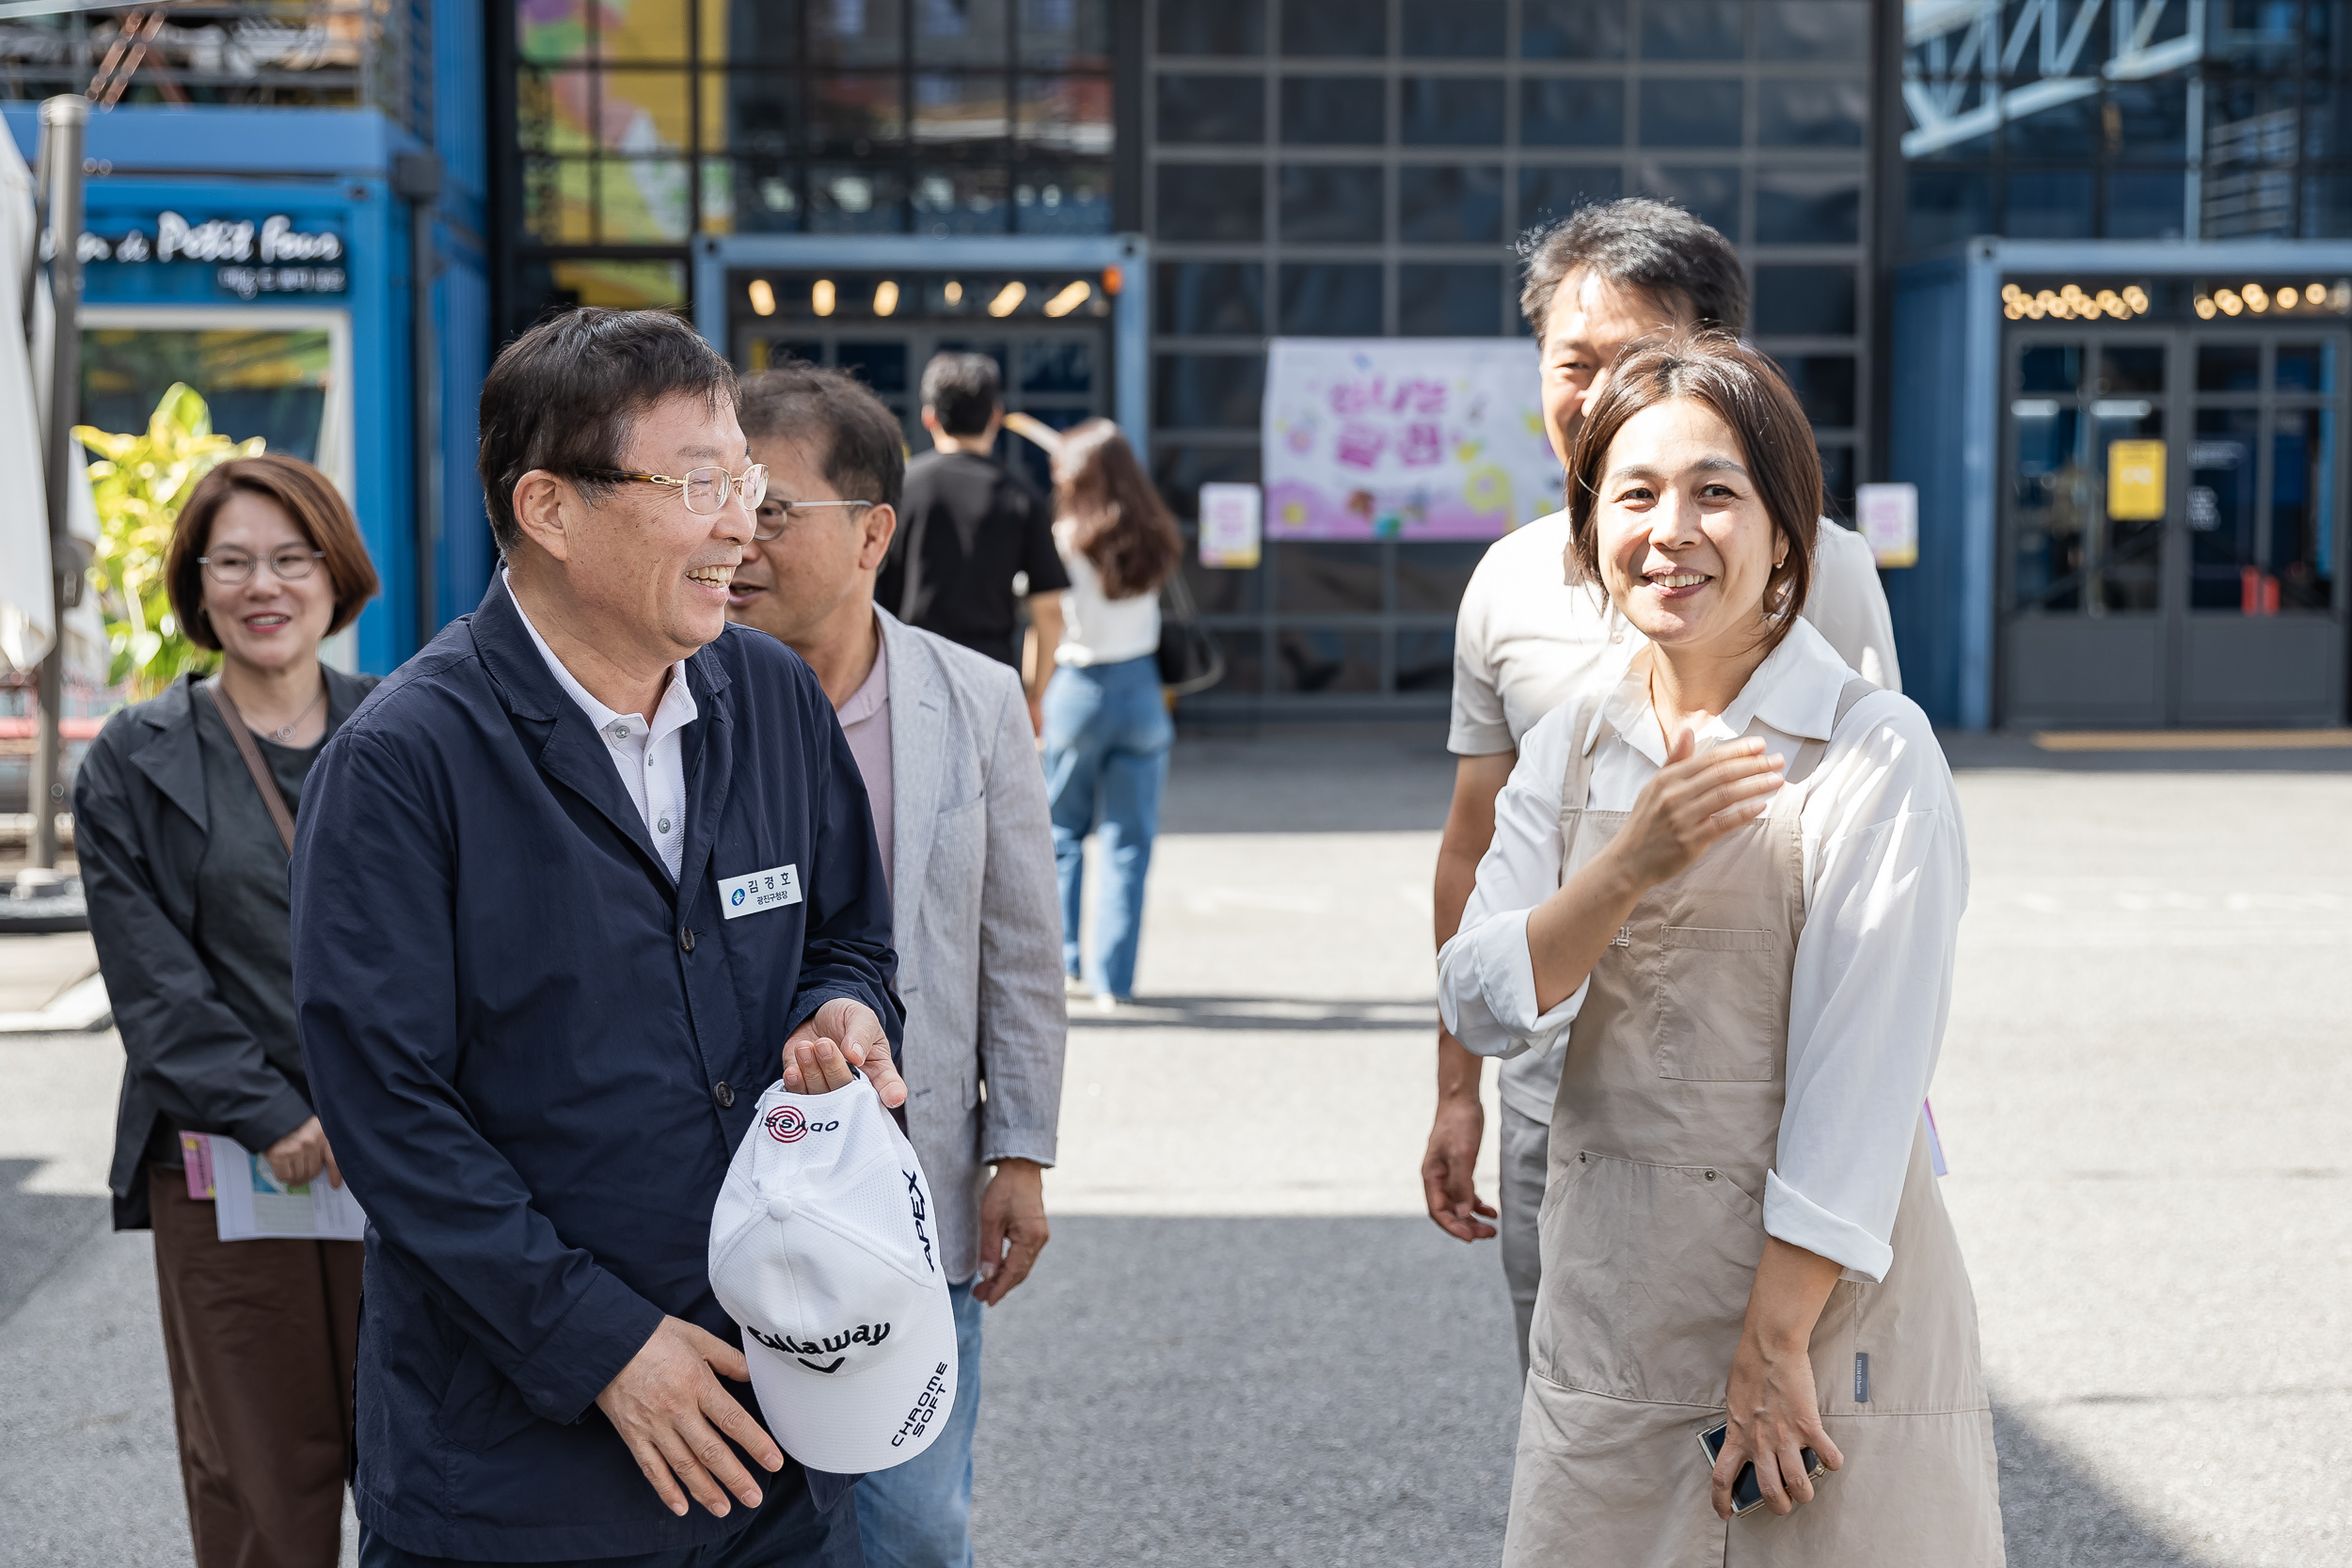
[{"x": 261, "y": 1337}]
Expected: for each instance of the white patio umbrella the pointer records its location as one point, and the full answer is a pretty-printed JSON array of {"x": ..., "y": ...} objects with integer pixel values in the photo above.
[{"x": 27, "y": 614}]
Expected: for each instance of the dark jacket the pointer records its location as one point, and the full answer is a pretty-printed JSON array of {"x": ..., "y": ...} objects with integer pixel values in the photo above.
[
  {"x": 534, "y": 1055},
  {"x": 139, "y": 832}
]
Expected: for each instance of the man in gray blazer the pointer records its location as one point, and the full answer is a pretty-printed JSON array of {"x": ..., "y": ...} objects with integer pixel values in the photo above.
[{"x": 942, "y": 736}]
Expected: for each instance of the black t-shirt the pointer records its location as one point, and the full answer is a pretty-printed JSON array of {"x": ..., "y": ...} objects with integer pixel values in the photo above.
[{"x": 966, "y": 528}]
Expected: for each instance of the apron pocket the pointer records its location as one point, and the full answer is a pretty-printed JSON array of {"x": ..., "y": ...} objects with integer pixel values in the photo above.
[
  {"x": 1723, "y": 1005},
  {"x": 1646, "y": 1271}
]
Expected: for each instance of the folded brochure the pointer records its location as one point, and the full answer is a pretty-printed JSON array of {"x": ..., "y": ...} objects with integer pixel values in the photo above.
[{"x": 249, "y": 1203}]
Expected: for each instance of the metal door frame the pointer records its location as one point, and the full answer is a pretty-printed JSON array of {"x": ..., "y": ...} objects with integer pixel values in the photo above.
[
  {"x": 2267, "y": 402},
  {"x": 2180, "y": 403},
  {"x": 2159, "y": 621}
]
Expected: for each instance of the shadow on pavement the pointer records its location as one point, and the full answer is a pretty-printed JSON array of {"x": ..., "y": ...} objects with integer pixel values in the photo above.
[
  {"x": 1249, "y": 1391},
  {"x": 2009, "y": 749},
  {"x": 1310, "y": 779},
  {"x": 37, "y": 1231},
  {"x": 2053, "y": 1516},
  {"x": 1201, "y": 1392}
]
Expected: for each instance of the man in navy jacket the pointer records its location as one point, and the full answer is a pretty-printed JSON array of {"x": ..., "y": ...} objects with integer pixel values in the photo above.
[{"x": 566, "y": 889}]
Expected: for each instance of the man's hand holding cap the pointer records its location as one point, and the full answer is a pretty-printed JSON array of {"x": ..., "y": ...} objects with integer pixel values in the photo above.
[{"x": 838, "y": 1036}]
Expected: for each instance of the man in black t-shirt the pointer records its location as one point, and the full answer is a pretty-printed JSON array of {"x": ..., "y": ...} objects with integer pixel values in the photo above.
[{"x": 968, "y": 528}]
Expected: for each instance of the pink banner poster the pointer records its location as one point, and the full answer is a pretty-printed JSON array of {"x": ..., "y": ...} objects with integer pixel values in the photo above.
[{"x": 1405, "y": 438}]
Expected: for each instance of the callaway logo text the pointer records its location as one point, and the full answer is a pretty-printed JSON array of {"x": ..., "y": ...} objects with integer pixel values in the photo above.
[
  {"x": 925, "y": 1407},
  {"x": 832, "y": 1344}
]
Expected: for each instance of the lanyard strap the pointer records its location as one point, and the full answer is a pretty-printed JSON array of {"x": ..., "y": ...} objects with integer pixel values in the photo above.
[{"x": 272, "y": 796}]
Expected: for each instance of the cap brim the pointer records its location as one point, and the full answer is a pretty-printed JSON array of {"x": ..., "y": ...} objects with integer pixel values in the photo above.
[{"x": 857, "y": 1423}]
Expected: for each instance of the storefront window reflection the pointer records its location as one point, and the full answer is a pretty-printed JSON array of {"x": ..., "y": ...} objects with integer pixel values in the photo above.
[
  {"x": 642, "y": 122},
  {"x": 270, "y": 383},
  {"x": 2056, "y": 122}
]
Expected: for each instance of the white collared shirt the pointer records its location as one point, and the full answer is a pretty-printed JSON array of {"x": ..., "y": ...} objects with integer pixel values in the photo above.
[
  {"x": 1885, "y": 874},
  {"x": 1526, "y": 640},
  {"x": 650, "y": 758}
]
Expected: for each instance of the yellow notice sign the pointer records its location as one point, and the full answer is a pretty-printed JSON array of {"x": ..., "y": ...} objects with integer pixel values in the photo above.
[{"x": 2135, "y": 481}]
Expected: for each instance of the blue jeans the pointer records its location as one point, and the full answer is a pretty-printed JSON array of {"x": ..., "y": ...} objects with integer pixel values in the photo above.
[
  {"x": 919, "y": 1514},
  {"x": 1107, "y": 739}
]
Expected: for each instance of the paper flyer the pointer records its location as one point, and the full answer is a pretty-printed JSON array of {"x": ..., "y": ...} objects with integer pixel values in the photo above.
[{"x": 251, "y": 1203}]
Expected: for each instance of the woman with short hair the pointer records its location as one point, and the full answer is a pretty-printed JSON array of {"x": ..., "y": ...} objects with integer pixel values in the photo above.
[
  {"x": 1107, "y": 732},
  {"x": 183, "y": 818},
  {"x": 1728, "y": 888}
]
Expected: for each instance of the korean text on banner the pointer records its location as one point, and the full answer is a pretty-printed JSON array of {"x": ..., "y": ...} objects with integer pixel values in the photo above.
[{"x": 1405, "y": 438}]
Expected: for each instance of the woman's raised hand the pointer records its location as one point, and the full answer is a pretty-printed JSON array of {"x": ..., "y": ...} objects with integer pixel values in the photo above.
[{"x": 1694, "y": 799}]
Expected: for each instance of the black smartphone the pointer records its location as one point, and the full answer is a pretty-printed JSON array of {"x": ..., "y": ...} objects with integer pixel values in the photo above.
[{"x": 1746, "y": 1493}]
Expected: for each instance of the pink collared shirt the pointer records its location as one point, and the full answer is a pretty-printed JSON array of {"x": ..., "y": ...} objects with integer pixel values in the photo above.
[{"x": 865, "y": 723}]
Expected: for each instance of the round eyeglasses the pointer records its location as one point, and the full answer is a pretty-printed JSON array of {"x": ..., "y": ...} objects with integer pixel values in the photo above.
[
  {"x": 704, "y": 490},
  {"x": 770, "y": 520},
  {"x": 234, "y": 568}
]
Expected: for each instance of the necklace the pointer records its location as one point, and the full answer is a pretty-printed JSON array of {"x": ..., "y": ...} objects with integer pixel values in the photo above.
[{"x": 285, "y": 732}]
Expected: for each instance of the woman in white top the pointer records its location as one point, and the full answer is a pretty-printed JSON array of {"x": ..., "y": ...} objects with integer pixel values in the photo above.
[
  {"x": 1727, "y": 889},
  {"x": 1106, "y": 727}
]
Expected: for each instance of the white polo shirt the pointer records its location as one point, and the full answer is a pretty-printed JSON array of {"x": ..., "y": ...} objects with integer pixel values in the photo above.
[{"x": 650, "y": 758}]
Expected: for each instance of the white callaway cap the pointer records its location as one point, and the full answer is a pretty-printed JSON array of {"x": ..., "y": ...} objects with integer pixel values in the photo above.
[{"x": 823, "y": 1247}]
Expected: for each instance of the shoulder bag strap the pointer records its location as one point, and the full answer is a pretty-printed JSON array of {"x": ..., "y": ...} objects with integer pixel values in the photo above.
[
  {"x": 1576, "y": 783},
  {"x": 271, "y": 795}
]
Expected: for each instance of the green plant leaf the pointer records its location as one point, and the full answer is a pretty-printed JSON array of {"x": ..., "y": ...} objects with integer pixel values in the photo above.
[{"x": 139, "y": 483}]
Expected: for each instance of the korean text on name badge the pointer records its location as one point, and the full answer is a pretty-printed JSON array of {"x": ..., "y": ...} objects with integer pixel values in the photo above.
[{"x": 771, "y": 889}]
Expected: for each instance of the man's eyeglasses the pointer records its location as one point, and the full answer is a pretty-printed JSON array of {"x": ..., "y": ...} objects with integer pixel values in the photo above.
[
  {"x": 770, "y": 520},
  {"x": 705, "y": 490},
  {"x": 234, "y": 568}
]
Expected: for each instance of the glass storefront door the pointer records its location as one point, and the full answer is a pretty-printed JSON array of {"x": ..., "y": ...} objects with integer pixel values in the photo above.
[{"x": 2171, "y": 513}]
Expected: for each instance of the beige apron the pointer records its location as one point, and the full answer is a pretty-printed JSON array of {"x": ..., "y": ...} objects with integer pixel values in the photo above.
[{"x": 1652, "y": 1224}]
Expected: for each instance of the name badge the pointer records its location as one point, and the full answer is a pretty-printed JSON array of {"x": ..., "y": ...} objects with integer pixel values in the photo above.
[{"x": 771, "y": 889}]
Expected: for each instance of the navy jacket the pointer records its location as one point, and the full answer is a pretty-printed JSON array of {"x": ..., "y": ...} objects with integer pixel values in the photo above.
[{"x": 536, "y": 1054}]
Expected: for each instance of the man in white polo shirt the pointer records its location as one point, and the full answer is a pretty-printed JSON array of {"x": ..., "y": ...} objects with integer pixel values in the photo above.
[{"x": 1526, "y": 638}]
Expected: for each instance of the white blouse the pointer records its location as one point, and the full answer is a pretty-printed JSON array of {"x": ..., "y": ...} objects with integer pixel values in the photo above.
[
  {"x": 1886, "y": 871},
  {"x": 1095, "y": 627}
]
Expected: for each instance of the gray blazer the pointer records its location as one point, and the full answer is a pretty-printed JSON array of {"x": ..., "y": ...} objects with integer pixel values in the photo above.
[{"x": 978, "y": 924}]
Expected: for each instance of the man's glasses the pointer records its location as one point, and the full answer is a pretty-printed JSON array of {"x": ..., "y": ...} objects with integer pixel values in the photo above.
[
  {"x": 705, "y": 490},
  {"x": 234, "y": 568},
  {"x": 769, "y": 521}
]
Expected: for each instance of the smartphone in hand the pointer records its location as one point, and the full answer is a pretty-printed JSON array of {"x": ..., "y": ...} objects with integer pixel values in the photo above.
[{"x": 1746, "y": 1492}]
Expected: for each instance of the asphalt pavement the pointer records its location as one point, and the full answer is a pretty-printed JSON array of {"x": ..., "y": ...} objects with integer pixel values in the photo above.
[{"x": 1246, "y": 1345}]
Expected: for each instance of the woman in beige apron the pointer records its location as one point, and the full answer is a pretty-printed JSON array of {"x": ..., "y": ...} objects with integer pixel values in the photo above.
[{"x": 1742, "y": 937}]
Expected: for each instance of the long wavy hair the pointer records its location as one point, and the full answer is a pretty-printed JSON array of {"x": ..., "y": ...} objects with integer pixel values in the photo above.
[{"x": 1123, "y": 529}]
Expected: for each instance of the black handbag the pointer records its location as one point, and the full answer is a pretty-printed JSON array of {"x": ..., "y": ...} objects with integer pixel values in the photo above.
[{"x": 1189, "y": 659}]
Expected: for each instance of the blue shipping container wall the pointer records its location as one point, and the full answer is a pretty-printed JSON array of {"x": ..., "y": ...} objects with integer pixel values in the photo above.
[{"x": 328, "y": 170}]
